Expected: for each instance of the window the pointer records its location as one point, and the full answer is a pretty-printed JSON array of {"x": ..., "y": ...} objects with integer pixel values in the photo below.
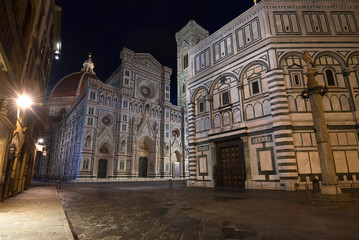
[
  {"x": 296, "y": 78},
  {"x": 330, "y": 77},
  {"x": 185, "y": 61},
  {"x": 127, "y": 73},
  {"x": 89, "y": 121},
  {"x": 124, "y": 118},
  {"x": 127, "y": 81},
  {"x": 201, "y": 107},
  {"x": 167, "y": 95},
  {"x": 225, "y": 98},
  {"x": 125, "y": 104},
  {"x": 91, "y": 110},
  {"x": 92, "y": 95},
  {"x": 255, "y": 87},
  {"x": 183, "y": 88},
  {"x": 122, "y": 165},
  {"x": 124, "y": 127},
  {"x": 85, "y": 164}
]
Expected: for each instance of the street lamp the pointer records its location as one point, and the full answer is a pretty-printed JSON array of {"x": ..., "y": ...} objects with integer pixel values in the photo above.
[{"x": 23, "y": 101}]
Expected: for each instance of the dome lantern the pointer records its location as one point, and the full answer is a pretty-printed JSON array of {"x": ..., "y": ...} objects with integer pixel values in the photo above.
[{"x": 88, "y": 65}]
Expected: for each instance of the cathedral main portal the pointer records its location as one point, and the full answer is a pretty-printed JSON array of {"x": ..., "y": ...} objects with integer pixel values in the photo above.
[
  {"x": 102, "y": 168},
  {"x": 142, "y": 168},
  {"x": 231, "y": 166}
]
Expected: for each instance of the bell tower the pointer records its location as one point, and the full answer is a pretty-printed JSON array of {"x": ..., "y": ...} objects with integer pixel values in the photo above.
[{"x": 189, "y": 36}]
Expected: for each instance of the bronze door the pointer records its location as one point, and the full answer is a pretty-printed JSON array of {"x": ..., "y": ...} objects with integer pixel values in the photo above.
[
  {"x": 142, "y": 168},
  {"x": 102, "y": 168},
  {"x": 232, "y": 168}
]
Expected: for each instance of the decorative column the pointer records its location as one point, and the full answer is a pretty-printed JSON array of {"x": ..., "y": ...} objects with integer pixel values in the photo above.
[
  {"x": 192, "y": 162},
  {"x": 315, "y": 92}
]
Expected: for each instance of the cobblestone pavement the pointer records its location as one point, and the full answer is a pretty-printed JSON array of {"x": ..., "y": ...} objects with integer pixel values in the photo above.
[{"x": 152, "y": 211}]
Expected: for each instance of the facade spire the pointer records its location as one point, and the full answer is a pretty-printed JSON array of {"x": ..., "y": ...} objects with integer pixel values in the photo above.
[{"x": 88, "y": 65}]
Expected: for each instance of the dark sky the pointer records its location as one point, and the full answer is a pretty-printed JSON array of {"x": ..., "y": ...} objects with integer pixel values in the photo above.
[{"x": 104, "y": 27}]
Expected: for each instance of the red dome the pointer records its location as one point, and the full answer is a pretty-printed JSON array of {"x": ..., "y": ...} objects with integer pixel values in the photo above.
[{"x": 71, "y": 84}]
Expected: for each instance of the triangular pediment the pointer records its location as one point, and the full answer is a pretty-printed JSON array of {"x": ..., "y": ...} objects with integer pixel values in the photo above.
[
  {"x": 105, "y": 136},
  {"x": 295, "y": 66},
  {"x": 148, "y": 61},
  {"x": 146, "y": 128}
]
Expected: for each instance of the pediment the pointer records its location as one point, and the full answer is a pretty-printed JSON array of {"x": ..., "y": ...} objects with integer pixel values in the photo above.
[
  {"x": 146, "y": 128},
  {"x": 148, "y": 61},
  {"x": 105, "y": 136}
]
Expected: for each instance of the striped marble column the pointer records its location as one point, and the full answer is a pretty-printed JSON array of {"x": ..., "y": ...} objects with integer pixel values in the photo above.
[
  {"x": 282, "y": 127},
  {"x": 192, "y": 163}
]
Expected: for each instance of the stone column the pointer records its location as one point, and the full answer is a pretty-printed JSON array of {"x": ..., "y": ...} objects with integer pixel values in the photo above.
[
  {"x": 192, "y": 150},
  {"x": 314, "y": 92}
]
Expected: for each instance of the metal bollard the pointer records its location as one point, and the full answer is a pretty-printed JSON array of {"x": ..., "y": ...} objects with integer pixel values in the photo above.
[
  {"x": 58, "y": 184},
  {"x": 169, "y": 183}
]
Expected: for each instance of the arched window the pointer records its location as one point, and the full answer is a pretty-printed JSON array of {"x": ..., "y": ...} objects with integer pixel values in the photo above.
[{"x": 330, "y": 77}]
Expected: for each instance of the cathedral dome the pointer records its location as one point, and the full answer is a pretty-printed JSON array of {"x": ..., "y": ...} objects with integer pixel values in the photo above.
[{"x": 74, "y": 83}]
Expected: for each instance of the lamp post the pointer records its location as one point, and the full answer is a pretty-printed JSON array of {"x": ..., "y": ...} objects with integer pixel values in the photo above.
[
  {"x": 23, "y": 101},
  {"x": 314, "y": 92}
]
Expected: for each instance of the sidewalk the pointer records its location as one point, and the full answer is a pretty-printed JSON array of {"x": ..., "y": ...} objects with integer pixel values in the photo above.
[{"x": 34, "y": 214}]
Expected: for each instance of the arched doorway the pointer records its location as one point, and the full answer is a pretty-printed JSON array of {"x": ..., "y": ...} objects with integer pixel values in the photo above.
[
  {"x": 176, "y": 164},
  {"x": 146, "y": 157}
]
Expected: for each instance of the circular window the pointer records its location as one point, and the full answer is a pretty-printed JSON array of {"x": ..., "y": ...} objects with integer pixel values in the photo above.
[
  {"x": 175, "y": 133},
  {"x": 145, "y": 91},
  {"x": 106, "y": 120}
]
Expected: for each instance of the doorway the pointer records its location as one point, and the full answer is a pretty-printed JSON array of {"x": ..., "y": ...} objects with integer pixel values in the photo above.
[
  {"x": 231, "y": 166},
  {"x": 176, "y": 170},
  {"x": 142, "y": 167},
  {"x": 102, "y": 168}
]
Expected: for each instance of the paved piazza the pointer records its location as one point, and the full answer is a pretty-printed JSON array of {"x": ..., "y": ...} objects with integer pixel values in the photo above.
[{"x": 153, "y": 211}]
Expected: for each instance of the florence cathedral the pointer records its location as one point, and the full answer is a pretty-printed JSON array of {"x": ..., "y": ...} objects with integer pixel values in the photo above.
[
  {"x": 122, "y": 129},
  {"x": 241, "y": 91}
]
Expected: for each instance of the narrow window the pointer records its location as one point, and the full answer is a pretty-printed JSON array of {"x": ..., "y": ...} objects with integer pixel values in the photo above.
[
  {"x": 185, "y": 61},
  {"x": 183, "y": 88},
  {"x": 255, "y": 87},
  {"x": 330, "y": 77},
  {"x": 201, "y": 107},
  {"x": 225, "y": 98}
]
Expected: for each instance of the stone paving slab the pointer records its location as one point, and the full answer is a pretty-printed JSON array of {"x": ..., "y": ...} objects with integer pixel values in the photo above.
[
  {"x": 135, "y": 211},
  {"x": 34, "y": 214}
]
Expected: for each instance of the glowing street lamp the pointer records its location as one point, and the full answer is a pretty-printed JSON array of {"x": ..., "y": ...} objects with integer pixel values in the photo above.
[{"x": 23, "y": 101}]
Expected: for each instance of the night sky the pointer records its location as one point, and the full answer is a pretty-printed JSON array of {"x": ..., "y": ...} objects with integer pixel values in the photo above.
[{"x": 104, "y": 27}]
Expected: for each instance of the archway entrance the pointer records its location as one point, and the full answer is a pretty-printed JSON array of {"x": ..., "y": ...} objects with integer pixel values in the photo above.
[
  {"x": 102, "y": 168},
  {"x": 146, "y": 153},
  {"x": 176, "y": 164},
  {"x": 142, "y": 167}
]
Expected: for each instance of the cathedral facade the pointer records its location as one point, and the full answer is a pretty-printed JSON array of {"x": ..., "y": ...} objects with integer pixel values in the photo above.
[
  {"x": 125, "y": 128},
  {"x": 250, "y": 125}
]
